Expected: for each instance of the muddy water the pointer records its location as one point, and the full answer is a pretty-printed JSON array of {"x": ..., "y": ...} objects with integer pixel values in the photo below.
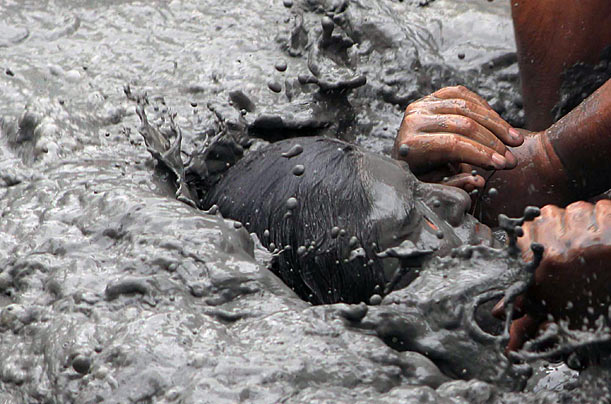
[{"x": 113, "y": 291}]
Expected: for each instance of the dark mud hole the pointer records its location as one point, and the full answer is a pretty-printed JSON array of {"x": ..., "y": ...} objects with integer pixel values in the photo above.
[{"x": 113, "y": 291}]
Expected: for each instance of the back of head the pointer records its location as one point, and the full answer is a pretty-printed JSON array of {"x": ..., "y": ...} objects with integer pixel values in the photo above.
[{"x": 313, "y": 207}]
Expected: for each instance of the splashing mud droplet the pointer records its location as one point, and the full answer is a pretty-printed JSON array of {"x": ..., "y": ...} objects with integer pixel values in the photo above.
[
  {"x": 280, "y": 65},
  {"x": 375, "y": 300},
  {"x": 296, "y": 150},
  {"x": 403, "y": 150},
  {"x": 291, "y": 203},
  {"x": 298, "y": 170},
  {"x": 81, "y": 364},
  {"x": 274, "y": 86}
]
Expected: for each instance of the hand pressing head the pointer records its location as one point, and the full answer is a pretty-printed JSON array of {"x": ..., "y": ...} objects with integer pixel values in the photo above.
[{"x": 455, "y": 127}]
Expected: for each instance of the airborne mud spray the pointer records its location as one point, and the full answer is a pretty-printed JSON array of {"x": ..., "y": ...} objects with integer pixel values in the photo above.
[{"x": 114, "y": 291}]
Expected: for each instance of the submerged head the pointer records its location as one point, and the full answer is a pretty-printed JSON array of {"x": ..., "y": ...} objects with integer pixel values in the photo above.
[{"x": 331, "y": 221}]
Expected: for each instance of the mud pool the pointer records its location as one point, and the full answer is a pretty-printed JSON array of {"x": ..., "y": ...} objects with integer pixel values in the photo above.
[{"x": 113, "y": 291}]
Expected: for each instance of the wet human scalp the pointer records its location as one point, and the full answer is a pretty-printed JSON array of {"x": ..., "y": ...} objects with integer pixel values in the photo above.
[
  {"x": 394, "y": 176},
  {"x": 292, "y": 194}
]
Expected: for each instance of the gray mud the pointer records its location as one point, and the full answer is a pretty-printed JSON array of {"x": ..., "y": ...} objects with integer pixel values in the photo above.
[{"x": 113, "y": 291}]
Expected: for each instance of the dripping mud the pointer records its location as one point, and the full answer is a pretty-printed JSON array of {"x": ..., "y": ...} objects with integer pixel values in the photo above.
[{"x": 112, "y": 290}]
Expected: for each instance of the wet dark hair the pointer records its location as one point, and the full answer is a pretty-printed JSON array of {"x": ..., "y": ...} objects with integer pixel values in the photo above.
[{"x": 326, "y": 244}]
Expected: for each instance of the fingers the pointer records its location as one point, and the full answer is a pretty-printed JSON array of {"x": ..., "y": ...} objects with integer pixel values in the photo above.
[
  {"x": 522, "y": 330},
  {"x": 465, "y": 181},
  {"x": 602, "y": 214},
  {"x": 551, "y": 228},
  {"x": 524, "y": 242},
  {"x": 587, "y": 224},
  {"x": 436, "y": 149},
  {"x": 505, "y": 132},
  {"x": 461, "y": 92},
  {"x": 547, "y": 229},
  {"x": 580, "y": 222},
  {"x": 498, "y": 310},
  {"x": 462, "y": 125},
  {"x": 455, "y": 125},
  {"x": 484, "y": 116}
]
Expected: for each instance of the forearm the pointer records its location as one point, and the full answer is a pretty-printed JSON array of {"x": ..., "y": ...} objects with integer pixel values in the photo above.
[
  {"x": 568, "y": 162},
  {"x": 582, "y": 142},
  {"x": 551, "y": 36}
]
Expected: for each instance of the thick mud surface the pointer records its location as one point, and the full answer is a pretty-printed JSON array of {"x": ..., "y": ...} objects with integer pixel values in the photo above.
[{"x": 113, "y": 291}]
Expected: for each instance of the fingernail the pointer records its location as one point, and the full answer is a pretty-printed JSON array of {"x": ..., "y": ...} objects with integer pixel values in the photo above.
[
  {"x": 512, "y": 161},
  {"x": 515, "y": 134},
  {"x": 498, "y": 161}
]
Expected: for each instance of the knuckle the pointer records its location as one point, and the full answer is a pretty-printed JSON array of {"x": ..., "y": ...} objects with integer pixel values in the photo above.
[
  {"x": 461, "y": 104},
  {"x": 604, "y": 204},
  {"x": 408, "y": 117},
  {"x": 578, "y": 206},
  {"x": 409, "y": 141},
  {"x": 470, "y": 125},
  {"x": 415, "y": 109},
  {"x": 452, "y": 142},
  {"x": 549, "y": 210}
]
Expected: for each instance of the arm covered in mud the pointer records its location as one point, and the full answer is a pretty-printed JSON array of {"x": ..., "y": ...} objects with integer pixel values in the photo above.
[{"x": 573, "y": 280}]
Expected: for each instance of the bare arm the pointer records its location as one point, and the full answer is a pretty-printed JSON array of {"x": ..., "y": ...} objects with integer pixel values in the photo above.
[
  {"x": 551, "y": 36},
  {"x": 570, "y": 161}
]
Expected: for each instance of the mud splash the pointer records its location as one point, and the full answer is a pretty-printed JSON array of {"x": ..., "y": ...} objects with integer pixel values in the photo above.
[{"x": 113, "y": 291}]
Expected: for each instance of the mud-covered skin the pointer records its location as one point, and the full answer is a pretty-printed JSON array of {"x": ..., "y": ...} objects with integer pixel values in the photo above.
[{"x": 82, "y": 209}]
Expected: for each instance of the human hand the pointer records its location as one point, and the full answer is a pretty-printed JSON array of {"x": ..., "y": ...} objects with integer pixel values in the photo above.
[
  {"x": 455, "y": 126},
  {"x": 573, "y": 280}
]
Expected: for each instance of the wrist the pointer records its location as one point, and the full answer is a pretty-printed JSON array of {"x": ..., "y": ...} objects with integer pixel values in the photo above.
[
  {"x": 550, "y": 166},
  {"x": 539, "y": 179}
]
